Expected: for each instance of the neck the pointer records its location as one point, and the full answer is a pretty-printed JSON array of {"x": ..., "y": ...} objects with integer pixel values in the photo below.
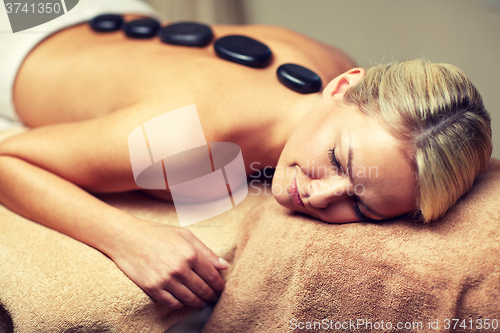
[
  {"x": 265, "y": 147},
  {"x": 296, "y": 113},
  {"x": 290, "y": 117}
]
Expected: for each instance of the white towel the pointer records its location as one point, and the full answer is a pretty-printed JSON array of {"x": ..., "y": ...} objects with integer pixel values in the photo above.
[{"x": 16, "y": 46}]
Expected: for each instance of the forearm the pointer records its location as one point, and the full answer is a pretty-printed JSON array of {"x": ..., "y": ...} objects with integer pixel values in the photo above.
[
  {"x": 45, "y": 175},
  {"x": 60, "y": 205},
  {"x": 169, "y": 263}
]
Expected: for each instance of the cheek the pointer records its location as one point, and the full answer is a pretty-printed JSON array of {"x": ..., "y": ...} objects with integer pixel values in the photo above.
[
  {"x": 342, "y": 213},
  {"x": 305, "y": 145}
]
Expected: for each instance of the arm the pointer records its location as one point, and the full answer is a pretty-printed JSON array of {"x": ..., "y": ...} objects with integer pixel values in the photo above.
[{"x": 44, "y": 173}]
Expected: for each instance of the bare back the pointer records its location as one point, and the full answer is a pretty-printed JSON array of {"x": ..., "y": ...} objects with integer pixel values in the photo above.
[{"x": 77, "y": 75}]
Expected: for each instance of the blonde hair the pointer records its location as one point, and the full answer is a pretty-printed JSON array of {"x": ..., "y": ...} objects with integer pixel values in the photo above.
[{"x": 439, "y": 117}]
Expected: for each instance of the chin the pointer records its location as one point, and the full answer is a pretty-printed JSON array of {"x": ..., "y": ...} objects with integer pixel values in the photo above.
[
  {"x": 286, "y": 201},
  {"x": 282, "y": 199},
  {"x": 280, "y": 194}
]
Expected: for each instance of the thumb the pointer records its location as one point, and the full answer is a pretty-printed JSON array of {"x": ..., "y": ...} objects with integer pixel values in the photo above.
[
  {"x": 218, "y": 262},
  {"x": 223, "y": 264}
]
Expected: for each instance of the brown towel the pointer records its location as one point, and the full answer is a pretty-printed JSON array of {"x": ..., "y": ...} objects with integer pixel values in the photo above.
[
  {"x": 294, "y": 273},
  {"x": 52, "y": 283}
]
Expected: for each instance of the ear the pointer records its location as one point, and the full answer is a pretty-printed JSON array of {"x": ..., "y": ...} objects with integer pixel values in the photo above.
[{"x": 343, "y": 82}]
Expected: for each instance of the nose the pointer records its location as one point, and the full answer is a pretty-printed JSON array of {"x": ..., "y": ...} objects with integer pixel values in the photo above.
[{"x": 324, "y": 192}]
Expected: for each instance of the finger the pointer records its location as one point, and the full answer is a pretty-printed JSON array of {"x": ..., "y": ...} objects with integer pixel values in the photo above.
[
  {"x": 216, "y": 261},
  {"x": 166, "y": 298},
  {"x": 184, "y": 295},
  {"x": 199, "y": 287},
  {"x": 208, "y": 273}
]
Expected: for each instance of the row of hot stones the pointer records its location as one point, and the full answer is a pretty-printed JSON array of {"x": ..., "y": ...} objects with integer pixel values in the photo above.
[{"x": 239, "y": 49}]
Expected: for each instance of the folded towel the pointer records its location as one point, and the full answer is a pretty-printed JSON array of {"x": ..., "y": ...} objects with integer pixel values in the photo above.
[{"x": 297, "y": 273}]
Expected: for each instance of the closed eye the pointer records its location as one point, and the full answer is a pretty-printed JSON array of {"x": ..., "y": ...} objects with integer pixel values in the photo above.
[
  {"x": 362, "y": 217},
  {"x": 333, "y": 160}
]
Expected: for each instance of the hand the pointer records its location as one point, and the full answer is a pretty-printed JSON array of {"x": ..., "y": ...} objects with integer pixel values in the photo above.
[{"x": 170, "y": 264}]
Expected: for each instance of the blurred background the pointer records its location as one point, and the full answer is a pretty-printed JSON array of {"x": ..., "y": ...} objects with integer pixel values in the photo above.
[{"x": 465, "y": 33}]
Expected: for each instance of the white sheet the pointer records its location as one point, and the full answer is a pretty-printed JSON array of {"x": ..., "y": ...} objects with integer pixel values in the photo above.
[
  {"x": 15, "y": 46},
  {"x": 7, "y": 123}
]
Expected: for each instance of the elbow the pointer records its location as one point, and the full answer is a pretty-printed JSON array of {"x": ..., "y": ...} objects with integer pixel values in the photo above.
[
  {"x": 4, "y": 150},
  {"x": 8, "y": 168},
  {"x": 8, "y": 147},
  {"x": 8, "y": 158}
]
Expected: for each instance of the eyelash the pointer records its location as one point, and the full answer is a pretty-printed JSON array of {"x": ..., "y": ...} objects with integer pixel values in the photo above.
[
  {"x": 335, "y": 163},
  {"x": 359, "y": 215},
  {"x": 333, "y": 159}
]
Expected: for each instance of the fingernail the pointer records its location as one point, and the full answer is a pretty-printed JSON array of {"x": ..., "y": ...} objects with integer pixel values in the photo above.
[{"x": 223, "y": 262}]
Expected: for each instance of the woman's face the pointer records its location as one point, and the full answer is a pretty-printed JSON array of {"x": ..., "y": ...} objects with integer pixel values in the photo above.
[{"x": 342, "y": 166}]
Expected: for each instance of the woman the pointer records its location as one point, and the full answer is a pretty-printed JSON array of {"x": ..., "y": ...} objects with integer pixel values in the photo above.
[{"x": 83, "y": 93}]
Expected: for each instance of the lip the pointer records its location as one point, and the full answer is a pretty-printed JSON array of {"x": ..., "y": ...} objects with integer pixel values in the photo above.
[{"x": 294, "y": 193}]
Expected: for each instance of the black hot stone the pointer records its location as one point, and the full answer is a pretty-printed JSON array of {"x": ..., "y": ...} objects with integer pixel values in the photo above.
[
  {"x": 142, "y": 28},
  {"x": 187, "y": 34},
  {"x": 243, "y": 50},
  {"x": 299, "y": 79},
  {"x": 106, "y": 23}
]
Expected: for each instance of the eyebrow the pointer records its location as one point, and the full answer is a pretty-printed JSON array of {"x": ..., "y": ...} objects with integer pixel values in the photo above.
[{"x": 351, "y": 177}]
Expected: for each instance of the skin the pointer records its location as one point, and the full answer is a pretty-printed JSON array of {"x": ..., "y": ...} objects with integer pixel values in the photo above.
[
  {"x": 306, "y": 180},
  {"x": 83, "y": 93}
]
